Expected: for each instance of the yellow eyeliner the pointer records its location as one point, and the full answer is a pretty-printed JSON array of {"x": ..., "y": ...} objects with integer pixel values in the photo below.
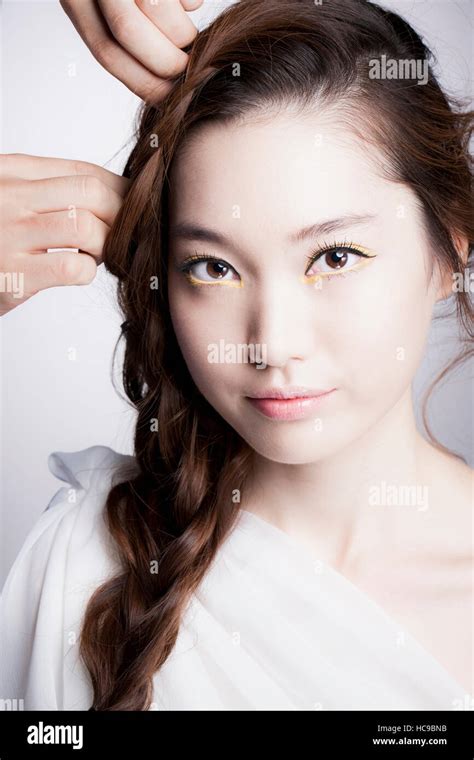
[
  {"x": 350, "y": 247},
  {"x": 202, "y": 258},
  {"x": 341, "y": 272},
  {"x": 198, "y": 283}
]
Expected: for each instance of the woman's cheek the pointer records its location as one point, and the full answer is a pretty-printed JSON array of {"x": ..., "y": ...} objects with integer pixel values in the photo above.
[
  {"x": 210, "y": 323},
  {"x": 385, "y": 343}
]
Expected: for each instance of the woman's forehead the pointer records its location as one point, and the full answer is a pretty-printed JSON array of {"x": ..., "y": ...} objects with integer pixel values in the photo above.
[{"x": 296, "y": 173}]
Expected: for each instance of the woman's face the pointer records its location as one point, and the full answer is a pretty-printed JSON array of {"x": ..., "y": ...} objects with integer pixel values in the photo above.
[{"x": 355, "y": 320}]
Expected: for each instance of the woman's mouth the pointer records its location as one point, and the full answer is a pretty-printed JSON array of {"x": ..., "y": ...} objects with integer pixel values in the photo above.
[{"x": 289, "y": 405}]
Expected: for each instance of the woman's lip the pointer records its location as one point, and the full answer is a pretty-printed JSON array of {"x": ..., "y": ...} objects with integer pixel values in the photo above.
[{"x": 290, "y": 408}]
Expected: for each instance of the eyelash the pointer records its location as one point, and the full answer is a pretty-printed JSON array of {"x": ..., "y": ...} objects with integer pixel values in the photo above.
[
  {"x": 312, "y": 258},
  {"x": 349, "y": 246},
  {"x": 187, "y": 264}
]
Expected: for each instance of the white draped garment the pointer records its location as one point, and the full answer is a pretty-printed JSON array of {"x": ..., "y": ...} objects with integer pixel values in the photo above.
[{"x": 267, "y": 629}]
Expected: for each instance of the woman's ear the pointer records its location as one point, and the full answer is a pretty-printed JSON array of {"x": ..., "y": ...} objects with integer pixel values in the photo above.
[
  {"x": 447, "y": 283},
  {"x": 461, "y": 244}
]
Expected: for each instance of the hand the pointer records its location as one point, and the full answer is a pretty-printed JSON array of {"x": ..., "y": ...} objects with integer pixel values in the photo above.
[
  {"x": 52, "y": 203},
  {"x": 138, "y": 41}
]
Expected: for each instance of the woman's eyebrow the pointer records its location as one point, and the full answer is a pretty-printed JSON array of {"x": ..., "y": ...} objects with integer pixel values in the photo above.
[
  {"x": 191, "y": 231},
  {"x": 330, "y": 225}
]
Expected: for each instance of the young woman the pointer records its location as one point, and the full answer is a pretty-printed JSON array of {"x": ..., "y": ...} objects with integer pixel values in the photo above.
[{"x": 284, "y": 537}]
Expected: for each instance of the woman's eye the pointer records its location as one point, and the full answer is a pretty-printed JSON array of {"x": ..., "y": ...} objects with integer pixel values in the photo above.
[
  {"x": 334, "y": 260},
  {"x": 210, "y": 270}
]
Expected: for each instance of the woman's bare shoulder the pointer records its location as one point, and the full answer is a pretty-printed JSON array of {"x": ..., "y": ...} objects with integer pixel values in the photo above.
[
  {"x": 451, "y": 487},
  {"x": 458, "y": 475}
]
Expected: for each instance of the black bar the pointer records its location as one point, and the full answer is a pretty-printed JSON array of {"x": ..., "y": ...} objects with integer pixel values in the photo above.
[{"x": 309, "y": 733}]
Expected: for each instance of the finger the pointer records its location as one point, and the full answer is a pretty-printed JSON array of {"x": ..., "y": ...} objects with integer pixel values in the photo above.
[
  {"x": 84, "y": 191},
  {"x": 52, "y": 269},
  {"x": 137, "y": 34},
  {"x": 77, "y": 228},
  {"x": 25, "y": 166},
  {"x": 91, "y": 26},
  {"x": 171, "y": 19}
]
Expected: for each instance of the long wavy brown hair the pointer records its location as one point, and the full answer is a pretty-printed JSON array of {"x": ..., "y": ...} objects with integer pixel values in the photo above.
[{"x": 178, "y": 509}]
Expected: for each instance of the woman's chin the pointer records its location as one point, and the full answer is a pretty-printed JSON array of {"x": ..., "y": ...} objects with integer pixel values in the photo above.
[{"x": 289, "y": 448}]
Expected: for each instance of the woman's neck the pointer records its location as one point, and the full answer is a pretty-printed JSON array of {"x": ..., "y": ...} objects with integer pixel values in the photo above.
[{"x": 365, "y": 498}]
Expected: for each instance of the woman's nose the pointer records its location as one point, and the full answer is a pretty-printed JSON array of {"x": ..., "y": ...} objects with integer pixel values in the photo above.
[{"x": 282, "y": 323}]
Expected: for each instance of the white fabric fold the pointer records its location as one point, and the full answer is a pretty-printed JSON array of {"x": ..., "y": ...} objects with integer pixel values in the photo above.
[{"x": 268, "y": 627}]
